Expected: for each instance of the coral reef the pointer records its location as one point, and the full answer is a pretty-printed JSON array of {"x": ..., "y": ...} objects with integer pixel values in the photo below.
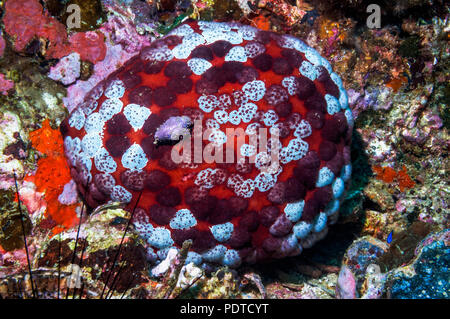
[
  {"x": 52, "y": 176},
  {"x": 426, "y": 277},
  {"x": 122, "y": 42},
  {"x": 358, "y": 257},
  {"x": 33, "y": 30},
  {"x": 88, "y": 254}
]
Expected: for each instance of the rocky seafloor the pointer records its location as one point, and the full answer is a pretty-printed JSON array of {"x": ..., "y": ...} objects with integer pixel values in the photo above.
[{"x": 392, "y": 239}]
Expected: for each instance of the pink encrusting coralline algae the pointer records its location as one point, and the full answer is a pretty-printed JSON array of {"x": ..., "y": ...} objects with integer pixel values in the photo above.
[
  {"x": 26, "y": 20},
  {"x": 5, "y": 84}
]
